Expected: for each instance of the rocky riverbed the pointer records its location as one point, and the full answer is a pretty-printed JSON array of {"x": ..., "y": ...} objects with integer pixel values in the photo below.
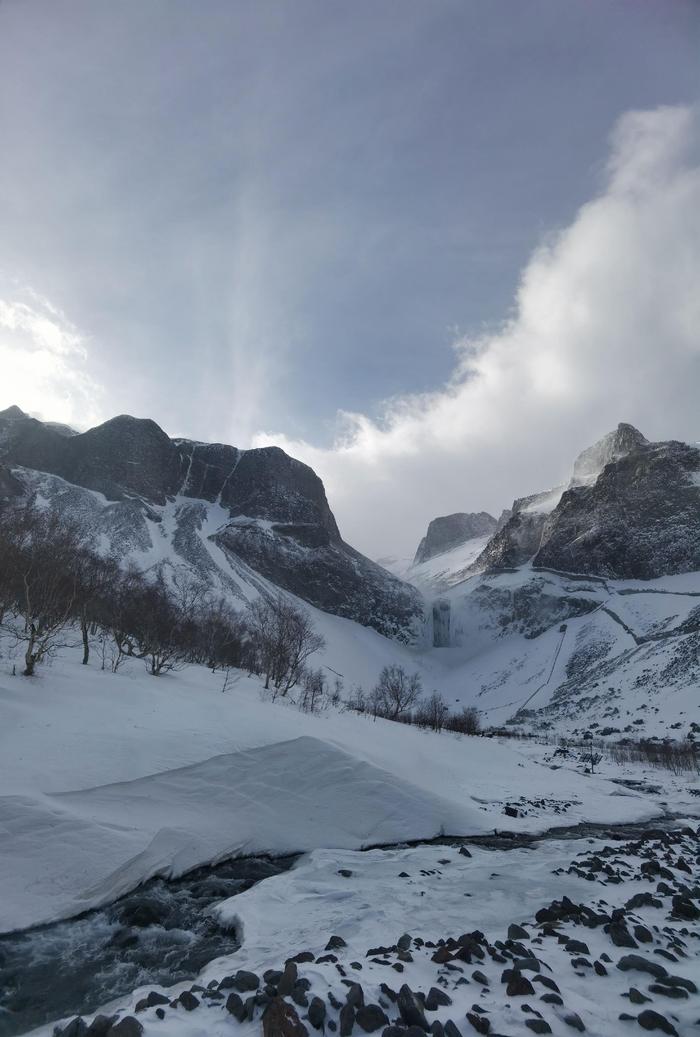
[{"x": 621, "y": 956}]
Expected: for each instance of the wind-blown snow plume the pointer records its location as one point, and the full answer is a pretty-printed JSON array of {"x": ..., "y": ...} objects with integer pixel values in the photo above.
[{"x": 605, "y": 329}]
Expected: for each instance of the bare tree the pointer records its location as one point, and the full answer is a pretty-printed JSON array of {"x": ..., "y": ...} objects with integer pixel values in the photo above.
[
  {"x": 356, "y": 701},
  {"x": 95, "y": 578},
  {"x": 313, "y": 690},
  {"x": 432, "y": 712},
  {"x": 283, "y": 638},
  {"x": 40, "y": 554},
  {"x": 399, "y": 690},
  {"x": 466, "y": 722}
]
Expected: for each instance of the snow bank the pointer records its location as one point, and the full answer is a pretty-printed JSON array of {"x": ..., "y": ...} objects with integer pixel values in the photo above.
[{"x": 108, "y": 779}]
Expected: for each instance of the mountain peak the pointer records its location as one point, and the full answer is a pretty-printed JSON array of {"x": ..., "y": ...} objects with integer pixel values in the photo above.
[
  {"x": 449, "y": 531},
  {"x": 13, "y": 413},
  {"x": 614, "y": 445}
]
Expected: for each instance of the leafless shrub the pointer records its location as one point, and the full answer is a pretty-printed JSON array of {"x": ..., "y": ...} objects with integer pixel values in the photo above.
[
  {"x": 396, "y": 692},
  {"x": 466, "y": 722},
  {"x": 283, "y": 639},
  {"x": 432, "y": 713},
  {"x": 678, "y": 757}
]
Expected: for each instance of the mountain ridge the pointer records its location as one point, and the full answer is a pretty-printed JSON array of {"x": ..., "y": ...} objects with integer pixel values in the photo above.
[{"x": 273, "y": 515}]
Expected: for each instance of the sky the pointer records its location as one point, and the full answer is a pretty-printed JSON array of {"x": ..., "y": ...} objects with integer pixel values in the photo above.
[{"x": 433, "y": 249}]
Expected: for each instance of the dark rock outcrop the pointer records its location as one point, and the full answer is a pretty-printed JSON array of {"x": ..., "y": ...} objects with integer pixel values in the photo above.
[
  {"x": 280, "y": 524},
  {"x": 450, "y": 531},
  {"x": 630, "y": 511},
  {"x": 640, "y": 519}
]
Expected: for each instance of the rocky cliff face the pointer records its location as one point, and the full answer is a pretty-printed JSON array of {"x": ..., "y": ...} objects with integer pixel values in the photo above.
[
  {"x": 450, "y": 531},
  {"x": 631, "y": 510},
  {"x": 615, "y": 445},
  {"x": 260, "y": 507},
  {"x": 639, "y": 519}
]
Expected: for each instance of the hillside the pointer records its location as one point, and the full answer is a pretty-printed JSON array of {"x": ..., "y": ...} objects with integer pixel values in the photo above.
[{"x": 237, "y": 520}]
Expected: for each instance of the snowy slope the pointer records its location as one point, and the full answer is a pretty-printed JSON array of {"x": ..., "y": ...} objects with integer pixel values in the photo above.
[
  {"x": 441, "y": 571},
  {"x": 107, "y": 779},
  {"x": 575, "y": 650}
]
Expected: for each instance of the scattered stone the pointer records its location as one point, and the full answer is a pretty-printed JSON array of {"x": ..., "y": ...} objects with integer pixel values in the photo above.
[
  {"x": 101, "y": 1023},
  {"x": 244, "y": 981},
  {"x": 346, "y": 1020},
  {"x": 345, "y": 872},
  {"x": 642, "y": 934},
  {"x": 371, "y": 1018},
  {"x": 410, "y": 1008},
  {"x": 575, "y": 1021},
  {"x": 317, "y": 1012},
  {"x": 126, "y": 1027},
  {"x": 298, "y": 995},
  {"x": 639, "y": 964},
  {"x": 676, "y": 992},
  {"x": 235, "y": 1006},
  {"x": 538, "y": 1025},
  {"x": 288, "y": 979},
  {"x": 576, "y": 947},
  {"x": 551, "y": 999},
  {"x": 516, "y": 932},
  {"x": 355, "y": 995},
  {"x": 621, "y": 936},
  {"x": 335, "y": 943},
  {"x": 637, "y": 997},
  {"x": 188, "y": 1001},
  {"x": 436, "y": 998},
  {"x": 519, "y": 985},
  {"x": 650, "y": 1020},
  {"x": 280, "y": 1019},
  {"x": 75, "y": 1028},
  {"x": 479, "y": 1022},
  {"x": 479, "y": 977},
  {"x": 547, "y": 982},
  {"x": 684, "y": 908}
]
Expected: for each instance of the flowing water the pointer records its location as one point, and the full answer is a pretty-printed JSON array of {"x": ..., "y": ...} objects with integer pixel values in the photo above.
[
  {"x": 165, "y": 933},
  {"x": 162, "y": 933}
]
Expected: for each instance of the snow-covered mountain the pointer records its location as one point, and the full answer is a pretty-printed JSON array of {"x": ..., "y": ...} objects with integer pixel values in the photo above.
[
  {"x": 631, "y": 510},
  {"x": 583, "y": 607},
  {"x": 579, "y": 607},
  {"x": 242, "y": 520},
  {"x": 450, "y": 531}
]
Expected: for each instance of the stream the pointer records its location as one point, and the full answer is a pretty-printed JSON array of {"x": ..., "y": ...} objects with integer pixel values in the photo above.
[
  {"x": 164, "y": 932},
  {"x": 161, "y": 933}
]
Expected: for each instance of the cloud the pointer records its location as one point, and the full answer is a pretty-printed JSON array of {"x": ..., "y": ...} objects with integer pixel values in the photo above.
[
  {"x": 43, "y": 359},
  {"x": 605, "y": 328}
]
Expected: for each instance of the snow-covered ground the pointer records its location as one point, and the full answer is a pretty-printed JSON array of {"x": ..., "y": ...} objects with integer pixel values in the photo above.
[{"x": 109, "y": 778}]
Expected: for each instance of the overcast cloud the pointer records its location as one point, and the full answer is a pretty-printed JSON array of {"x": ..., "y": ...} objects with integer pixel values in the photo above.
[
  {"x": 260, "y": 222},
  {"x": 606, "y": 330}
]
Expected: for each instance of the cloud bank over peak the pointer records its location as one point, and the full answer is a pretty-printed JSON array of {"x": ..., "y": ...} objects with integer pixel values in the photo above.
[{"x": 605, "y": 328}]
